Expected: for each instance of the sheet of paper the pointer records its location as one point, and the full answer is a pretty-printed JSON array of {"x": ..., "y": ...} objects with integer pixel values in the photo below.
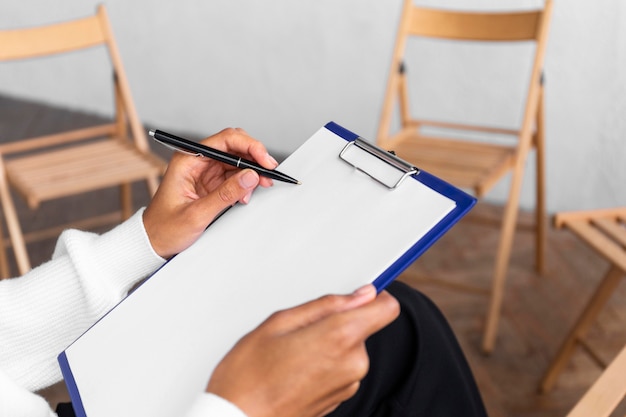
[{"x": 153, "y": 353}]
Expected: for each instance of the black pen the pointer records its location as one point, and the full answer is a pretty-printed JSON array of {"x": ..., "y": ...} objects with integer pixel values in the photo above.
[{"x": 197, "y": 149}]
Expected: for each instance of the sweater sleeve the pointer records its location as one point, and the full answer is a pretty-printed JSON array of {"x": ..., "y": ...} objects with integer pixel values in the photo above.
[
  {"x": 17, "y": 401},
  {"x": 210, "y": 405},
  {"x": 42, "y": 312}
]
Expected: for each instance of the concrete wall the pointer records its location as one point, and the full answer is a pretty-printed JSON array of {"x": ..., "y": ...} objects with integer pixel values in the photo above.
[{"x": 281, "y": 69}]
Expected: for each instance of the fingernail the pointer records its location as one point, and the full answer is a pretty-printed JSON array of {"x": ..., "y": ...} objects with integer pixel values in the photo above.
[
  {"x": 249, "y": 179},
  {"x": 246, "y": 198},
  {"x": 364, "y": 290},
  {"x": 271, "y": 159}
]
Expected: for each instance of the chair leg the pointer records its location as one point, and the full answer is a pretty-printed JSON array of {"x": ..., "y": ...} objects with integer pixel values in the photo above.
[
  {"x": 499, "y": 276},
  {"x": 578, "y": 332},
  {"x": 126, "y": 200},
  {"x": 153, "y": 185},
  {"x": 540, "y": 209},
  {"x": 509, "y": 222},
  {"x": 541, "y": 221},
  {"x": 126, "y": 197},
  {"x": 4, "y": 263},
  {"x": 13, "y": 225}
]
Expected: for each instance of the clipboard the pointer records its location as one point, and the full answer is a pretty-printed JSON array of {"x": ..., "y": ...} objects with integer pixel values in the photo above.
[{"x": 362, "y": 215}]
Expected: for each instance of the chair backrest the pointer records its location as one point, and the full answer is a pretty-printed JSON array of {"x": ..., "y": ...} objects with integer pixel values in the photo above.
[
  {"x": 606, "y": 393},
  {"x": 53, "y": 39},
  {"x": 59, "y": 38},
  {"x": 466, "y": 26}
]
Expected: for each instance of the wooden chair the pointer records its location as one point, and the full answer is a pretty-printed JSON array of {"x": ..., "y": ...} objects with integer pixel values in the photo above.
[
  {"x": 605, "y": 231},
  {"x": 474, "y": 165},
  {"x": 69, "y": 163},
  {"x": 606, "y": 393}
]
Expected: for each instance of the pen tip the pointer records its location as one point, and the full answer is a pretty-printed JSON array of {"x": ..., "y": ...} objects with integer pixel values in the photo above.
[
  {"x": 299, "y": 182},
  {"x": 151, "y": 132}
]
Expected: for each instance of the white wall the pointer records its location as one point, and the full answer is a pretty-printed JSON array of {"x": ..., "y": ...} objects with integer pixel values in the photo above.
[{"x": 281, "y": 69}]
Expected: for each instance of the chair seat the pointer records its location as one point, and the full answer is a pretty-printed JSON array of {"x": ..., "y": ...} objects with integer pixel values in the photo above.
[
  {"x": 64, "y": 172},
  {"x": 604, "y": 230},
  {"x": 476, "y": 166},
  {"x": 607, "y": 235}
]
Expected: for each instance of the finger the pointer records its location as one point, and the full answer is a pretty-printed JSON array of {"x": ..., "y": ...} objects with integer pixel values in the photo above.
[
  {"x": 254, "y": 150},
  {"x": 305, "y": 314},
  {"x": 369, "y": 318},
  {"x": 236, "y": 188},
  {"x": 238, "y": 141}
]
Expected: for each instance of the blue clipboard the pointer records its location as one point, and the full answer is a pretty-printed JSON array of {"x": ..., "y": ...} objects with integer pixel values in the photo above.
[
  {"x": 166, "y": 318},
  {"x": 464, "y": 203}
]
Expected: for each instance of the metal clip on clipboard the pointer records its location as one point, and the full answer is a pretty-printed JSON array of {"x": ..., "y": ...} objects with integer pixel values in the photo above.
[{"x": 375, "y": 170}]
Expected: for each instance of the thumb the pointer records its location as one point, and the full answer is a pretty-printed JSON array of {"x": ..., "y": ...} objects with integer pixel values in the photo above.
[
  {"x": 305, "y": 314},
  {"x": 239, "y": 187}
]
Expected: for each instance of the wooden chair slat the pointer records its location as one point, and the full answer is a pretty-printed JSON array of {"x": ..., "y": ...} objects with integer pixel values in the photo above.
[
  {"x": 612, "y": 228},
  {"x": 50, "y": 39},
  {"x": 39, "y": 142},
  {"x": 520, "y": 26},
  {"x": 600, "y": 242},
  {"x": 560, "y": 219},
  {"x": 606, "y": 393}
]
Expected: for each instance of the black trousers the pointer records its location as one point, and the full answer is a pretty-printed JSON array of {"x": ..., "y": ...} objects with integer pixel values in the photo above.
[{"x": 417, "y": 368}]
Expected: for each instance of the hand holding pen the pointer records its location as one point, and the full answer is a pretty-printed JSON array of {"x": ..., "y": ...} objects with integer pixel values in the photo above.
[
  {"x": 197, "y": 149},
  {"x": 194, "y": 191}
]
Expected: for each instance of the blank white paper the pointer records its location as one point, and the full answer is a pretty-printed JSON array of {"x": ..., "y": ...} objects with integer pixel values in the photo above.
[{"x": 154, "y": 352}]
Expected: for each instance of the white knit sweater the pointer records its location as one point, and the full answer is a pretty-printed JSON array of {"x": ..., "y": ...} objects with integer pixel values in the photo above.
[{"x": 42, "y": 312}]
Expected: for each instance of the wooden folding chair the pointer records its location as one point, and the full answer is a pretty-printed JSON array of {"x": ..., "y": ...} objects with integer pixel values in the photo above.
[
  {"x": 606, "y": 393},
  {"x": 69, "y": 163},
  {"x": 471, "y": 164},
  {"x": 605, "y": 231}
]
